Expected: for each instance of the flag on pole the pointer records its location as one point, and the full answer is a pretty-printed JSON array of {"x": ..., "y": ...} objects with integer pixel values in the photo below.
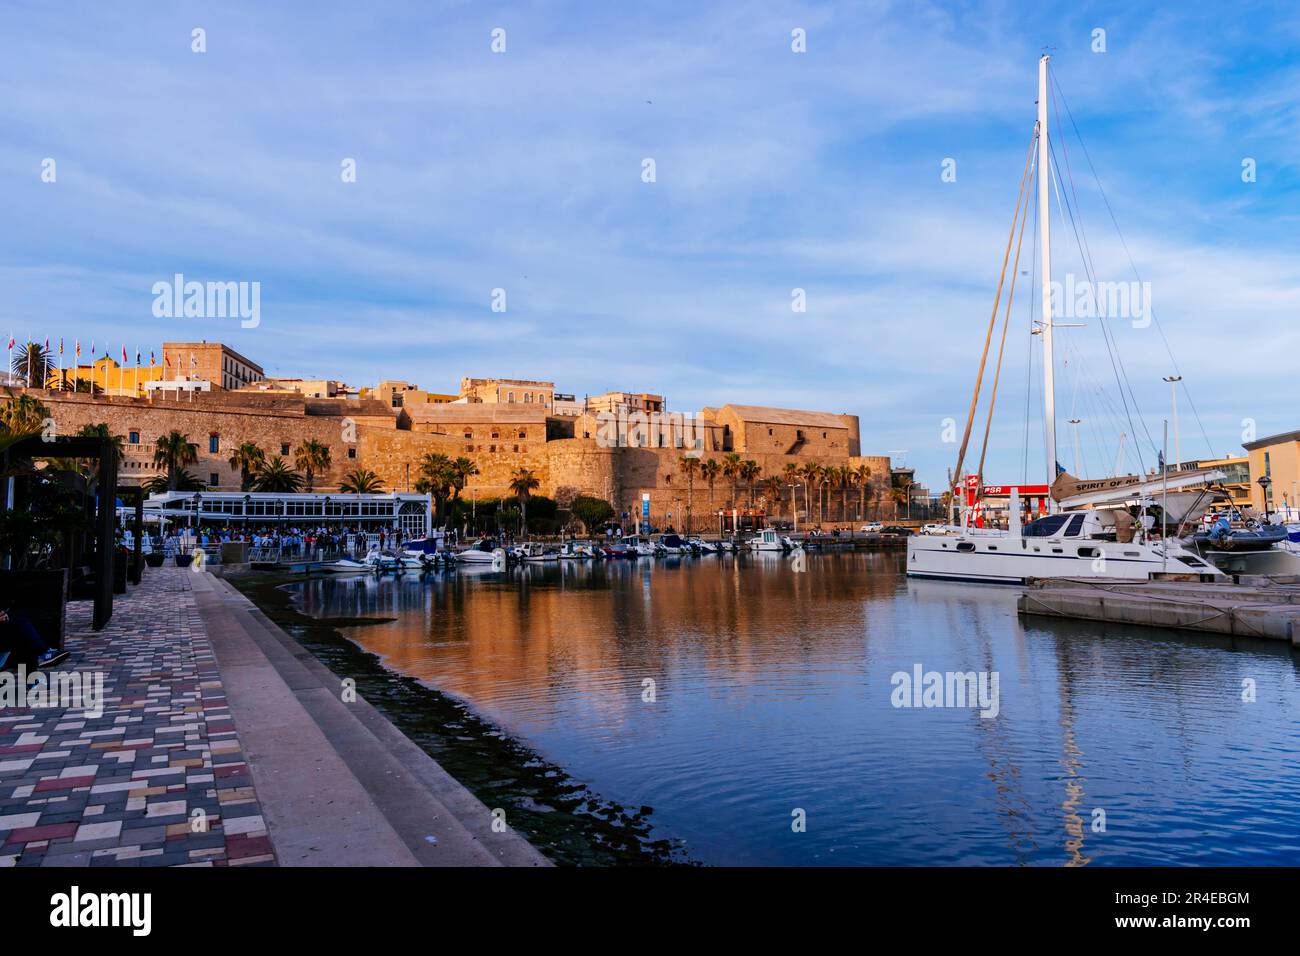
[
  {"x": 78, "y": 343},
  {"x": 124, "y": 358},
  {"x": 60, "y": 345},
  {"x": 151, "y": 358}
]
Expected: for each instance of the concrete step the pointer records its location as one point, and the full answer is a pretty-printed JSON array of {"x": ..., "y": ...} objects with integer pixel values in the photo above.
[{"x": 339, "y": 784}]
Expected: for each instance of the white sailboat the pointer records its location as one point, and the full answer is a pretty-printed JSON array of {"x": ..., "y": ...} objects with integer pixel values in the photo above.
[{"x": 1098, "y": 542}]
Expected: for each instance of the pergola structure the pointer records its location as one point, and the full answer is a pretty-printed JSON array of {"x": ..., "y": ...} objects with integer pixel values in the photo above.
[{"x": 104, "y": 452}]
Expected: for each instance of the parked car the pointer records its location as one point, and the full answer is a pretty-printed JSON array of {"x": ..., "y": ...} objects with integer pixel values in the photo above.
[
  {"x": 872, "y": 527},
  {"x": 897, "y": 531}
]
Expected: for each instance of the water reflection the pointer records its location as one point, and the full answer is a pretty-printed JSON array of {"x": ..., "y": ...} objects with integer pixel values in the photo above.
[{"x": 771, "y": 692}]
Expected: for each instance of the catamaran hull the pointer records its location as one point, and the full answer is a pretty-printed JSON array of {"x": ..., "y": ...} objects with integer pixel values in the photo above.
[{"x": 1005, "y": 561}]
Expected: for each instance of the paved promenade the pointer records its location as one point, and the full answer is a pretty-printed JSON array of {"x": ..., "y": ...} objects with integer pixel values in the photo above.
[
  {"x": 160, "y": 777},
  {"x": 223, "y": 742}
]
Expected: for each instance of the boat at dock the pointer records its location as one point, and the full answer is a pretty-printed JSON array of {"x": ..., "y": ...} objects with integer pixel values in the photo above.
[
  {"x": 1103, "y": 529},
  {"x": 534, "y": 552}
]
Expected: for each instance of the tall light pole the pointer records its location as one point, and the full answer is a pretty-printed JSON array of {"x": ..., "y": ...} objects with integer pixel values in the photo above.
[{"x": 1173, "y": 381}]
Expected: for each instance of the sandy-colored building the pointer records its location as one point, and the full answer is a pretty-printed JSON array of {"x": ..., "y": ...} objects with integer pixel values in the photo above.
[
  {"x": 210, "y": 361},
  {"x": 508, "y": 390},
  {"x": 1276, "y": 457}
]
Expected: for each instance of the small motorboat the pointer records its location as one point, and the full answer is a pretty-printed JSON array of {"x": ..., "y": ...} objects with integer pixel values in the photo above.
[
  {"x": 576, "y": 550},
  {"x": 534, "y": 552},
  {"x": 672, "y": 544},
  {"x": 700, "y": 546},
  {"x": 769, "y": 540},
  {"x": 639, "y": 546},
  {"x": 483, "y": 551},
  {"x": 1223, "y": 537}
]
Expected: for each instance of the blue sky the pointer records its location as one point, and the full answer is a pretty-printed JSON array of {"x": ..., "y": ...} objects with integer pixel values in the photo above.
[{"x": 775, "y": 171}]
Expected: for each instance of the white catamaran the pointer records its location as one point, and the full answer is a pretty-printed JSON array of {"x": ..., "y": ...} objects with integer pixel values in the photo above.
[{"x": 1103, "y": 538}]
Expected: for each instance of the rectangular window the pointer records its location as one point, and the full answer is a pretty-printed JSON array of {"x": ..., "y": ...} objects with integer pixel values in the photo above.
[
  {"x": 284, "y": 448},
  {"x": 214, "y": 443},
  {"x": 212, "y": 479},
  {"x": 352, "y": 452},
  {"x": 133, "y": 438}
]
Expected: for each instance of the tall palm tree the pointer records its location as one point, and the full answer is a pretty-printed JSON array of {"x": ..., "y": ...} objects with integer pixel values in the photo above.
[
  {"x": 522, "y": 484},
  {"x": 462, "y": 469},
  {"x": 847, "y": 477},
  {"x": 811, "y": 475},
  {"x": 248, "y": 458},
  {"x": 437, "y": 478},
  {"x": 863, "y": 473},
  {"x": 790, "y": 475},
  {"x": 172, "y": 452},
  {"x": 710, "y": 470},
  {"x": 749, "y": 471},
  {"x": 690, "y": 464},
  {"x": 275, "y": 475},
  {"x": 772, "y": 490},
  {"x": 731, "y": 466},
  {"x": 32, "y": 361},
  {"x": 361, "y": 481},
  {"x": 311, "y": 458}
]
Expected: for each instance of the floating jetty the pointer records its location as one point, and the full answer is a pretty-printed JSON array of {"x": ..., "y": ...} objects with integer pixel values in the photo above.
[{"x": 1250, "y": 606}]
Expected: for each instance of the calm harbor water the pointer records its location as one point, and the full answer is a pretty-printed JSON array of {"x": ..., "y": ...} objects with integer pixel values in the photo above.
[{"x": 772, "y": 695}]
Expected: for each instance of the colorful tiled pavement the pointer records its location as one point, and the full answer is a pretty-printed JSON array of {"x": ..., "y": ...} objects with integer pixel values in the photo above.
[{"x": 159, "y": 779}]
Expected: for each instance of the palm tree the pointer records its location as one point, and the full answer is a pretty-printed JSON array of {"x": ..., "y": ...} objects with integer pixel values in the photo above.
[
  {"x": 731, "y": 465},
  {"x": 248, "y": 458},
  {"x": 524, "y": 482},
  {"x": 173, "y": 452},
  {"x": 847, "y": 477},
  {"x": 99, "y": 430},
  {"x": 710, "y": 470},
  {"x": 185, "y": 481},
  {"x": 863, "y": 474},
  {"x": 750, "y": 470},
  {"x": 772, "y": 489},
  {"x": 362, "y": 481},
  {"x": 690, "y": 464},
  {"x": 32, "y": 361},
  {"x": 462, "y": 469},
  {"x": 790, "y": 475},
  {"x": 811, "y": 474},
  {"x": 437, "y": 478},
  {"x": 310, "y": 458},
  {"x": 23, "y": 413},
  {"x": 275, "y": 475}
]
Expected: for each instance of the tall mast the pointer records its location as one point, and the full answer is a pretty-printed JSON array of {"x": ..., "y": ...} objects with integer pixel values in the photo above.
[{"x": 1044, "y": 228}]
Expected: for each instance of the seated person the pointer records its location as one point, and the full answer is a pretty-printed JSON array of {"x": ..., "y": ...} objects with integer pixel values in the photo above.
[{"x": 21, "y": 644}]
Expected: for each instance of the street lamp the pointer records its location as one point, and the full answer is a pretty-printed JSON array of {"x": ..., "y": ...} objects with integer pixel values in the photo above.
[
  {"x": 198, "y": 505},
  {"x": 1264, "y": 482},
  {"x": 1173, "y": 381}
]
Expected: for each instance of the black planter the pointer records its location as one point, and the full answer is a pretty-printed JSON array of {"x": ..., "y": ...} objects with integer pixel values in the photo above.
[
  {"x": 183, "y": 560},
  {"x": 42, "y": 596},
  {"x": 154, "y": 559}
]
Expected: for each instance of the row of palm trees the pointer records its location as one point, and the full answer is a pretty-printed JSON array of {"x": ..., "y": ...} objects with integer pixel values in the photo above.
[{"x": 812, "y": 477}]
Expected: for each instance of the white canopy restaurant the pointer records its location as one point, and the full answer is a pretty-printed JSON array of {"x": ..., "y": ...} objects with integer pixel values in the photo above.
[{"x": 412, "y": 513}]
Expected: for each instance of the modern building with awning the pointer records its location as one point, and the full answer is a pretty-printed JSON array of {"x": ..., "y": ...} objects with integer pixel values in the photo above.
[{"x": 412, "y": 513}]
